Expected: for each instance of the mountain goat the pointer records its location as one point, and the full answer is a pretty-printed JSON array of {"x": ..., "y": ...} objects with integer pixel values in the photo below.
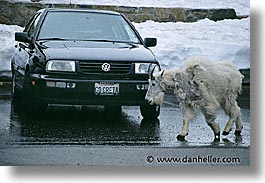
[{"x": 201, "y": 84}]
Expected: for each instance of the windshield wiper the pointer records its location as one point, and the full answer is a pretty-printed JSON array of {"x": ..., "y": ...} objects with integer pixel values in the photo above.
[
  {"x": 107, "y": 40},
  {"x": 54, "y": 39},
  {"x": 112, "y": 41}
]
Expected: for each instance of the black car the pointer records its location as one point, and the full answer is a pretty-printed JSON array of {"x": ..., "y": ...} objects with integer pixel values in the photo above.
[{"x": 81, "y": 57}]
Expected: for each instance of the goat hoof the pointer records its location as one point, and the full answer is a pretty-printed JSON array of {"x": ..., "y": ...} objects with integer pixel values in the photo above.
[
  {"x": 181, "y": 138},
  {"x": 216, "y": 138},
  {"x": 225, "y": 133},
  {"x": 238, "y": 132}
]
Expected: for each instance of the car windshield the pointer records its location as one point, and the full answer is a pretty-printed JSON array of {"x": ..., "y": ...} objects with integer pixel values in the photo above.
[{"x": 86, "y": 26}]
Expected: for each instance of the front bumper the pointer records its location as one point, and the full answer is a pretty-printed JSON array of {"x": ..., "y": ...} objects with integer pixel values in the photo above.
[{"x": 80, "y": 91}]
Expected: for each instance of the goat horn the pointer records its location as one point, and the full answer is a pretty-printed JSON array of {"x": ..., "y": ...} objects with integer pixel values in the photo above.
[
  {"x": 152, "y": 72},
  {"x": 162, "y": 73}
]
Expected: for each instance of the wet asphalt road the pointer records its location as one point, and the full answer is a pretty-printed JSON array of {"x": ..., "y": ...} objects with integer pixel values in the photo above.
[
  {"x": 66, "y": 128},
  {"x": 92, "y": 126}
]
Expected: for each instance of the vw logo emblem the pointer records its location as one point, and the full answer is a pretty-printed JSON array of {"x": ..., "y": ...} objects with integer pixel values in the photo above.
[{"x": 105, "y": 67}]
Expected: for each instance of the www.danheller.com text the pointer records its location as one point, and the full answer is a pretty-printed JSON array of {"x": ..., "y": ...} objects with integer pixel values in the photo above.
[{"x": 194, "y": 159}]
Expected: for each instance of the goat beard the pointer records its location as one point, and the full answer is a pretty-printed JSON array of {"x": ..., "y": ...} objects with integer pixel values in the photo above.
[{"x": 158, "y": 100}]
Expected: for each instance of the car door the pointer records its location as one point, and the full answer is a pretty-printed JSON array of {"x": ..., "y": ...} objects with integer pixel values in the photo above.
[{"x": 24, "y": 51}]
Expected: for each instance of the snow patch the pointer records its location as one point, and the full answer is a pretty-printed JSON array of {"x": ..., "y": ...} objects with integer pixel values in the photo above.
[
  {"x": 7, "y": 43},
  {"x": 227, "y": 40}
]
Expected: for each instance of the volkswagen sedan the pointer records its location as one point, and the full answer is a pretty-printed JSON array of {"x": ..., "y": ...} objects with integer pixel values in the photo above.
[{"x": 81, "y": 57}]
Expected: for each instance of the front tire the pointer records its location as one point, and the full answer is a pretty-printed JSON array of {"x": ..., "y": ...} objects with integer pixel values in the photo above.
[
  {"x": 150, "y": 111},
  {"x": 15, "y": 94}
]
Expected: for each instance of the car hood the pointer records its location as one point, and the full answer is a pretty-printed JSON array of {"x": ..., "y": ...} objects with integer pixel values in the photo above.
[{"x": 87, "y": 50}]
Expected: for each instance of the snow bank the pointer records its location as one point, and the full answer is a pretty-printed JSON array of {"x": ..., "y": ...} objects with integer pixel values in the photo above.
[
  {"x": 227, "y": 40},
  {"x": 241, "y": 6},
  {"x": 7, "y": 43}
]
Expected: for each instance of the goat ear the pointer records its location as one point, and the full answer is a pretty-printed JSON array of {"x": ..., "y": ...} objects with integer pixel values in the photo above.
[
  {"x": 175, "y": 76},
  {"x": 176, "y": 85},
  {"x": 199, "y": 67}
]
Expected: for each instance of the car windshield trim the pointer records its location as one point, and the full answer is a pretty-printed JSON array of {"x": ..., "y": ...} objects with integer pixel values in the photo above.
[{"x": 92, "y": 40}]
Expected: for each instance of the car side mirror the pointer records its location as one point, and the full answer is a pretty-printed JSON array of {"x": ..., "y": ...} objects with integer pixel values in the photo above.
[
  {"x": 22, "y": 37},
  {"x": 150, "y": 42}
]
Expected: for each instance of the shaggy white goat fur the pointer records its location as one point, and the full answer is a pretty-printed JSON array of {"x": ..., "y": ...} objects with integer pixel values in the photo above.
[{"x": 209, "y": 86}]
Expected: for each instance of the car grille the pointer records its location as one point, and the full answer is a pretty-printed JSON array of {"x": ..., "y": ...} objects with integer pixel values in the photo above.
[{"x": 117, "y": 68}]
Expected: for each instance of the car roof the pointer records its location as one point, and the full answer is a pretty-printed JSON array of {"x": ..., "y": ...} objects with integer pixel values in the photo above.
[{"x": 79, "y": 10}]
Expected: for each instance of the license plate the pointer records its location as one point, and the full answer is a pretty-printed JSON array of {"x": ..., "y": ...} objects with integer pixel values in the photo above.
[{"x": 107, "y": 89}]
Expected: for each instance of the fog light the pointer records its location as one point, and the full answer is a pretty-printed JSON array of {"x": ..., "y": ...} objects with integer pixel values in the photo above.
[
  {"x": 60, "y": 85},
  {"x": 50, "y": 84}
]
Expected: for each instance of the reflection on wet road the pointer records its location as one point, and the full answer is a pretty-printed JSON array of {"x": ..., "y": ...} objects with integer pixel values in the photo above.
[
  {"x": 82, "y": 126},
  {"x": 92, "y": 126}
]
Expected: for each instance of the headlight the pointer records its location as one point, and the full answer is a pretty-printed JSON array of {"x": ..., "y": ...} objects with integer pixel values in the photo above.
[
  {"x": 145, "y": 68},
  {"x": 60, "y": 66}
]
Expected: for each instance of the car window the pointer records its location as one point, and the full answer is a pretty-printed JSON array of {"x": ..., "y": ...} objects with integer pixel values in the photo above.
[{"x": 86, "y": 26}]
